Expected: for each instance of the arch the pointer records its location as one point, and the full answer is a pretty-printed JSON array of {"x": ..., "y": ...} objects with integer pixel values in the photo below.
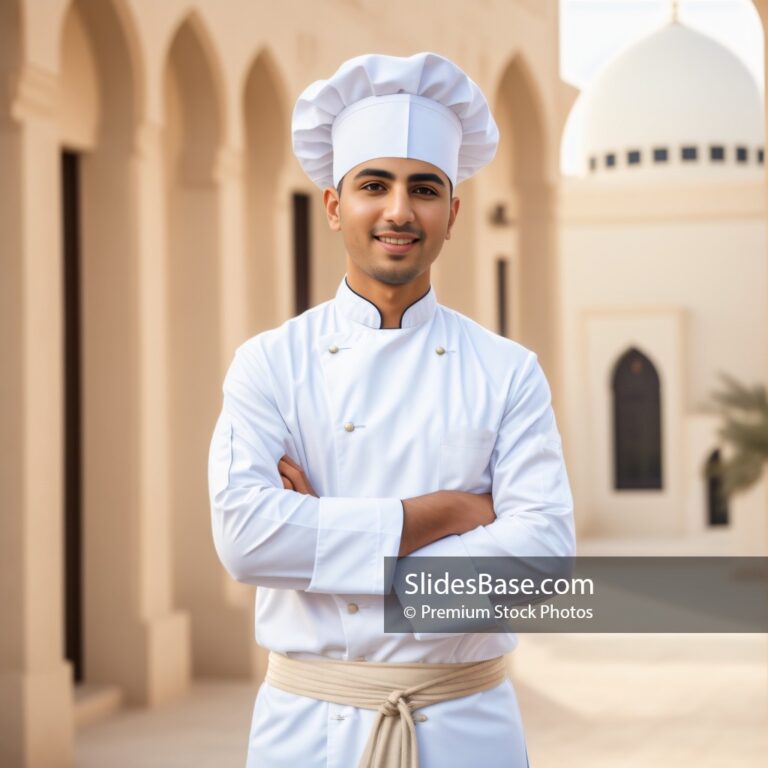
[
  {"x": 266, "y": 130},
  {"x": 114, "y": 43},
  {"x": 192, "y": 142},
  {"x": 526, "y": 204},
  {"x": 523, "y": 130},
  {"x": 98, "y": 66},
  {"x": 265, "y": 61},
  {"x": 636, "y": 394},
  {"x": 718, "y": 512},
  {"x": 192, "y": 52}
]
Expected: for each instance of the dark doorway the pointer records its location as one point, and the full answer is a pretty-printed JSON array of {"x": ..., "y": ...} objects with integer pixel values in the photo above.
[
  {"x": 717, "y": 504},
  {"x": 301, "y": 254},
  {"x": 636, "y": 423},
  {"x": 501, "y": 296},
  {"x": 73, "y": 576}
]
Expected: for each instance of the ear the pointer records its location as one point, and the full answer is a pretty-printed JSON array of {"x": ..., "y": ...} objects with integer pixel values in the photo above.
[
  {"x": 455, "y": 205},
  {"x": 331, "y": 203}
]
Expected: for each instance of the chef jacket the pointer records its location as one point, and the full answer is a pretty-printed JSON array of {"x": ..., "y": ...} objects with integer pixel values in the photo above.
[{"x": 374, "y": 416}]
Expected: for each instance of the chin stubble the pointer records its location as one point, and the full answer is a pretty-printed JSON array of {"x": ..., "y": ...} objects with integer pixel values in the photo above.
[{"x": 394, "y": 276}]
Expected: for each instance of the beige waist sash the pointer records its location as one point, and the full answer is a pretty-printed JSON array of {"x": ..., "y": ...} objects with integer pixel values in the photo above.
[{"x": 393, "y": 690}]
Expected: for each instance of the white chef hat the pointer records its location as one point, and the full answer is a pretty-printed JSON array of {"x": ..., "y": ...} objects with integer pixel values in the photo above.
[{"x": 421, "y": 107}]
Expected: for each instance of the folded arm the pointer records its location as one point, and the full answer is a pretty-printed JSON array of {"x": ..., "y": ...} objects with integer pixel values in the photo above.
[
  {"x": 268, "y": 535},
  {"x": 531, "y": 494},
  {"x": 271, "y": 529}
]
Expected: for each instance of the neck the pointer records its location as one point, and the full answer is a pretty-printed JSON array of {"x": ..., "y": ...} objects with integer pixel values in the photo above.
[{"x": 390, "y": 300}]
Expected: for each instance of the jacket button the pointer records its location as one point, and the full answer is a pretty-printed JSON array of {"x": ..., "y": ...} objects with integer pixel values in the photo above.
[
  {"x": 333, "y": 349},
  {"x": 352, "y": 608},
  {"x": 420, "y": 718},
  {"x": 349, "y": 427},
  {"x": 440, "y": 350}
]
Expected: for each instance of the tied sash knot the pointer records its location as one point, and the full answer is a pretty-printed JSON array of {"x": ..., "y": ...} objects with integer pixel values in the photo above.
[{"x": 393, "y": 691}]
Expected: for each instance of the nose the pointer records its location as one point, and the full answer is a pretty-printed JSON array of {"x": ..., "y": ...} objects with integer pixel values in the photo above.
[{"x": 399, "y": 209}]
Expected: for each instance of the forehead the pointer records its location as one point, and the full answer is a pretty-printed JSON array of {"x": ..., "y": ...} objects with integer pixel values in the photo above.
[{"x": 400, "y": 167}]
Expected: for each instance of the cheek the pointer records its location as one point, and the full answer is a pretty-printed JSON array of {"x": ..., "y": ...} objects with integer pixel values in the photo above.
[
  {"x": 358, "y": 220},
  {"x": 436, "y": 223}
]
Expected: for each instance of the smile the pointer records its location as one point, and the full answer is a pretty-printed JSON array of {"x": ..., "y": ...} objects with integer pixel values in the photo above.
[
  {"x": 397, "y": 240},
  {"x": 397, "y": 246}
]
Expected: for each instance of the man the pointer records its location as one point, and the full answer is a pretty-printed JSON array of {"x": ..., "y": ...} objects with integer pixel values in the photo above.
[{"x": 382, "y": 424}]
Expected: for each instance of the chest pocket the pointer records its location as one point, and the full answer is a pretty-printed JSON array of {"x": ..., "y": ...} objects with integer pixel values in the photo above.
[{"x": 465, "y": 456}]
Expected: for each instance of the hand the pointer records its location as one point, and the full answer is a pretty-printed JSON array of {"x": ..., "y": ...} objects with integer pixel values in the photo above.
[
  {"x": 472, "y": 511},
  {"x": 293, "y": 477}
]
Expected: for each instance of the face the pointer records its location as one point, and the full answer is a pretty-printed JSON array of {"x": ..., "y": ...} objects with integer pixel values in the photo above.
[{"x": 394, "y": 215}]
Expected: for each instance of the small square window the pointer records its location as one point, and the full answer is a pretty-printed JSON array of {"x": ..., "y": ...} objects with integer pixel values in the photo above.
[
  {"x": 633, "y": 156},
  {"x": 660, "y": 155},
  {"x": 741, "y": 154},
  {"x": 760, "y": 155},
  {"x": 610, "y": 160},
  {"x": 689, "y": 153},
  {"x": 717, "y": 152},
  {"x": 592, "y": 163}
]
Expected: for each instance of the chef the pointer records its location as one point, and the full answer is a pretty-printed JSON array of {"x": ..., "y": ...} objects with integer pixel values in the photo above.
[{"x": 382, "y": 424}]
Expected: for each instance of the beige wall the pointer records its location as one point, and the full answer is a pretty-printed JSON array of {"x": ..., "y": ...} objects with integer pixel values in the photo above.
[
  {"x": 680, "y": 273},
  {"x": 181, "y": 113}
]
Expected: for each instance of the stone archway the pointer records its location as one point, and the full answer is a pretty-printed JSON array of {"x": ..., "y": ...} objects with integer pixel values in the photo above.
[
  {"x": 522, "y": 173},
  {"x": 193, "y": 134},
  {"x": 266, "y": 144},
  {"x": 132, "y": 639},
  {"x": 95, "y": 129}
]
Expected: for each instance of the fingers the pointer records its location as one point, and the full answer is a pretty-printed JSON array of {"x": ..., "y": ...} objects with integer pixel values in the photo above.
[
  {"x": 294, "y": 474},
  {"x": 288, "y": 460}
]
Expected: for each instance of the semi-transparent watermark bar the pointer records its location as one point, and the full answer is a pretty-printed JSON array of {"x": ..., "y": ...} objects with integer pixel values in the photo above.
[{"x": 577, "y": 594}]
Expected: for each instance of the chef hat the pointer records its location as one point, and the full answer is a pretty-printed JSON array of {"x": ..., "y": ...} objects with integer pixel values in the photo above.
[{"x": 421, "y": 107}]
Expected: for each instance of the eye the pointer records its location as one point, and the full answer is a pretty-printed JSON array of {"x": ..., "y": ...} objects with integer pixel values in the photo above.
[
  {"x": 373, "y": 186},
  {"x": 425, "y": 191}
]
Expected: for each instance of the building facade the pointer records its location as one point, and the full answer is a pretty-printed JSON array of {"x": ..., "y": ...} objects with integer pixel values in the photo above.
[
  {"x": 152, "y": 217},
  {"x": 663, "y": 285}
]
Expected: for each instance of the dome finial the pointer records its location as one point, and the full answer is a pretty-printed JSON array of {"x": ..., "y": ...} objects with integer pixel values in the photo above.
[{"x": 674, "y": 17}]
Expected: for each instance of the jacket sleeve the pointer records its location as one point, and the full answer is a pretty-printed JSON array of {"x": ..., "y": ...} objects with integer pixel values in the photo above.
[
  {"x": 268, "y": 536},
  {"x": 531, "y": 494}
]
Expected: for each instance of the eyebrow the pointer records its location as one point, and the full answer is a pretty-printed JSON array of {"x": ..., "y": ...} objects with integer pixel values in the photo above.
[{"x": 382, "y": 174}]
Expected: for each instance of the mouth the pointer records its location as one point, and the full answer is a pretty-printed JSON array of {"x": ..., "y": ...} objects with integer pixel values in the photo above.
[{"x": 397, "y": 245}]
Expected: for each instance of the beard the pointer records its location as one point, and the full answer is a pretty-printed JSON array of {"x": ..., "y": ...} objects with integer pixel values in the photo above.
[{"x": 394, "y": 274}]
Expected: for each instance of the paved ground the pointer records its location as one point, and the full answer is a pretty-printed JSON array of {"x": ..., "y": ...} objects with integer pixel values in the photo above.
[
  {"x": 600, "y": 701},
  {"x": 588, "y": 701}
]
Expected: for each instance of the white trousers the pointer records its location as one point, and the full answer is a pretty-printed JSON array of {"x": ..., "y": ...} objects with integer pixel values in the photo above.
[{"x": 482, "y": 729}]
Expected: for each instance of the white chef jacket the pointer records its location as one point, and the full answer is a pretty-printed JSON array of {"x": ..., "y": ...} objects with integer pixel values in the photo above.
[{"x": 374, "y": 416}]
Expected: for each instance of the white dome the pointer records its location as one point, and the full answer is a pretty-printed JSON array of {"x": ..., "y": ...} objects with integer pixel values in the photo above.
[{"x": 675, "y": 89}]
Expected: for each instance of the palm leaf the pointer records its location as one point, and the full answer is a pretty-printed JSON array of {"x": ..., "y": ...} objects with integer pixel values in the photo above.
[{"x": 744, "y": 413}]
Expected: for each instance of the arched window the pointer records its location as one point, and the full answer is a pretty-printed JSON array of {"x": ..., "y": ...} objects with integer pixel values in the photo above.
[
  {"x": 636, "y": 423},
  {"x": 717, "y": 505}
]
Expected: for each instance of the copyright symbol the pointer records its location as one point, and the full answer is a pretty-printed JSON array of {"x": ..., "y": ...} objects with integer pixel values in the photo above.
[{"x": 409, "y": 612}]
